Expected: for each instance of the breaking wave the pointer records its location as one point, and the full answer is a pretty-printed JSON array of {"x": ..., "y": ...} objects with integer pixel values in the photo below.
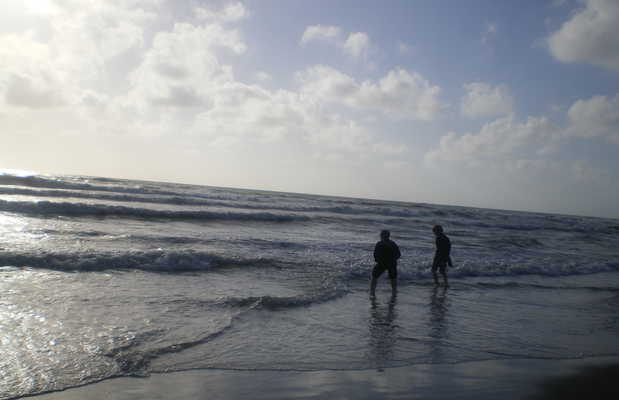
[
  {"x": 48, "y": 208},
  {"x": 421, "y": 270},
  {"x": 151, "y": 260},
  {"x": 38, "y": 181}
]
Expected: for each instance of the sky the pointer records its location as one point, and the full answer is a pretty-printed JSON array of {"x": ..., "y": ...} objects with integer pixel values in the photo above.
[{"x": 482, "y": 103}]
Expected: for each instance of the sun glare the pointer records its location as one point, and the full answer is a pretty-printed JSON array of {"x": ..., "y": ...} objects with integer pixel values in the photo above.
[
  {"x": 40, "y": 6},
  {"x": 16, "y": 172}
]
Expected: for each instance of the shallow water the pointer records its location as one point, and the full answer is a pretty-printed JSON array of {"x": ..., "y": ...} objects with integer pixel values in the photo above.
[{"x": 106, "y": 278}]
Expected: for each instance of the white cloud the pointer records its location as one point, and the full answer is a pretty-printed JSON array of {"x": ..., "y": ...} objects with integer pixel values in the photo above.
[
  {"x": 177, "y": 87},
  {"x": 496, "y": 142},
  {"x": 28, "y": 91},
  {"x": 61, "y": 66},
  {"x": 181, "y": 68},
  {"x": 590, "y": 36},
  {"x": 400, "y": 94},
  {"x": 327, "y": 84},
  {"x": 511, "y": 163},
  {"x": 517, "y": 159},
  {"x": 483, "y": 100},
  {"x": 28, "y": 77},
  {"x": 357, "y": 44},
  {"x": 506, "y": 153},
  {"x": 232, "y": 12},
  {"x": 250, "y": 114},
  {"x": 595, "y": 117},
  {"x": 99, "y": 31},
  {"x": 320, "y": 32},
  {"x": 70, "y": 66}
]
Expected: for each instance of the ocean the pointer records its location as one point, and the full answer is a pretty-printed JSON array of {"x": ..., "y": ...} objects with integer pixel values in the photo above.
[{"x": 103, "y": 278}]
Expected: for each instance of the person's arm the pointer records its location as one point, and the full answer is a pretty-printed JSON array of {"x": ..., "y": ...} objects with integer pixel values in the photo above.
[{"x": 376, "y": 252}]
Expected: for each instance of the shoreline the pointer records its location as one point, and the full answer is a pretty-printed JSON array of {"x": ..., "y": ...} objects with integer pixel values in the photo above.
[{"x": 490, "y": 379}]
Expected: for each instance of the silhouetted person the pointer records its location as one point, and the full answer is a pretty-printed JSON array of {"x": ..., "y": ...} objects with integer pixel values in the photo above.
[
  {"x": 441, "y": 257},
  {"x": 386, "y": 254}
]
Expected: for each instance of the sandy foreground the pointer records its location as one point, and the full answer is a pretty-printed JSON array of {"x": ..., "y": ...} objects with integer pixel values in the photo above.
[{"x": 506, "y": 379}]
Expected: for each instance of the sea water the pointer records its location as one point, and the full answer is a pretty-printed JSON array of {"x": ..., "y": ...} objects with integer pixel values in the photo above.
[{"x": 103, "y": 278}]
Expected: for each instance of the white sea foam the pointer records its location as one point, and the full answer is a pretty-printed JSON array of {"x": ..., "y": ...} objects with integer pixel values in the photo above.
[{"x": 153, "y": 260}]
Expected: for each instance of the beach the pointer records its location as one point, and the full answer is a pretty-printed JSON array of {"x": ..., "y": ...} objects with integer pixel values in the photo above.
[
  {"x": 115, "y": 289},
  {"x": 513, "y": 379}
]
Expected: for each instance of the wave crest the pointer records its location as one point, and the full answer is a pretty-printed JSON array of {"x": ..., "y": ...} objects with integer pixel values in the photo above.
[
  {"x": 49, "y": 208},
  {"x": 152, "y": 260},
  {"x": 469, "y": 269}
]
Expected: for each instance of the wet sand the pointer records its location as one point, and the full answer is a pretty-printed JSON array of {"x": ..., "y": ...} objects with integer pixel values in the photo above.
[{"x": 494, "y": 379}]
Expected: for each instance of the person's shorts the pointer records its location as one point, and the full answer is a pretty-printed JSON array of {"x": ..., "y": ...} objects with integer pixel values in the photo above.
[
  {"x": 380, "y": 268},
  {"x": 441, "y": 265}
]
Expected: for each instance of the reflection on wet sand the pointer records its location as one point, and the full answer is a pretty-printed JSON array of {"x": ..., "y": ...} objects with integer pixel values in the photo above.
[
  {"x": 382, "y": 332},
  {"x": 439, "y": 305}
]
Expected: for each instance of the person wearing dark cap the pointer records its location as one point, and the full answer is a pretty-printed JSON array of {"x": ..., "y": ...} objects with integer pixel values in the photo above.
[
  {"x": 386, "y": 255},
  {"x": 441, "y": 257}
]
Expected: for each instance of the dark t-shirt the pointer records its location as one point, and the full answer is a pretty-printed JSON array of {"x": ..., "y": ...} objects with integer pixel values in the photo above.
[
  {"x": 443, "y": 248},
  {"x": 386, "y": 253}
]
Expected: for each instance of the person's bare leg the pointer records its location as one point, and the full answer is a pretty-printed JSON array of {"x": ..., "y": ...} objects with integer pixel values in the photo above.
[
  {"x": 445, "y": 277},
  {"x": 373, "y": 288},
  {"x": 394, "y": 287},
  {"x": 435, "y": 278}
]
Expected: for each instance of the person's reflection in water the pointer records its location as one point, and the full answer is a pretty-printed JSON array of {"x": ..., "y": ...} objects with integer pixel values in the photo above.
[
  {"x": 382, "y": 333},
  {"x": 438, "y": 325}
]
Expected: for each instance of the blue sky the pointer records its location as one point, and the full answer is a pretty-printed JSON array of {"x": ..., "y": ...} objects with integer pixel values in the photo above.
[{"x": 500, "y": 104}]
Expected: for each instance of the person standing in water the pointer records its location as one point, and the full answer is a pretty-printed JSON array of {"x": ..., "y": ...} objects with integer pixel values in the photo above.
[
  {"x": 441, "y": 257},
  {"x": 386, "y": 254}
]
